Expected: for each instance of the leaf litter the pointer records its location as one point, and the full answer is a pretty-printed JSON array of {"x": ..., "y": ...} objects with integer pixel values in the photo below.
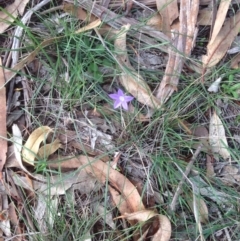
[{"x": 60, "y": 154}]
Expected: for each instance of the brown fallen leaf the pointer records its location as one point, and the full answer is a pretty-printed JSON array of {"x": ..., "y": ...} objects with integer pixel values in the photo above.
[
  {"x": 217, "y": 49},
  {"x": 5, "y": 222},
  {"x": 104, "y": 172},
  {"x": 140, "y": 216},
  {"x": 57, "y": 184},
  {"x": 170, "y": 79},
  {"x": 3, "y": 117},
  {"x": 10, "y": 13},
  {"x": 65, "y": 163},
  {"x": 155, "y": 21},
  {"x": 201, "y": 206},
  {"x": 202, "y": 134},
  {"x": 48, "y": 149},
  {"x": 209, "y": 167},
  {"x": 15, "y": 222},
  {"x": 217, "y": 137},
  {"x": 230, "y": 175},
  {"x": 220, "y": 18},
  {"x": 169, "y": 12},
  {"x": 129, "y": 78},
  {"x": 235, "y": 62},
  {"x": 120, "y": 202},
  {"x": 205, "y": 17},
  {"x": 165, "y": 230},
  {"x": 91, "y": 25}
]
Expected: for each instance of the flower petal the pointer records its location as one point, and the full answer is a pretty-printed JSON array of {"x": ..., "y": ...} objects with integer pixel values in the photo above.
[
  {"x": 114, "y": 96},
  {"x": 120, "y": 93},
  {"x": 117, "y": 104},
  {"x": 128, "y": 98},
  {"x": 125, "y": 105}
]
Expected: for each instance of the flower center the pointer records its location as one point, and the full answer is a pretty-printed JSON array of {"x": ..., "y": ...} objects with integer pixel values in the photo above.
[{"x": 121, "y": 98}]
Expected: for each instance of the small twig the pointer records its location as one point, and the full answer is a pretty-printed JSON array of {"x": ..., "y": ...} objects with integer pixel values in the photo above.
[
  {"x": 172, "y": 206},
  {"x": 19, "y": 31},
  {"x": 225, "y": 229},
  {"x": 195, "y": 208}
]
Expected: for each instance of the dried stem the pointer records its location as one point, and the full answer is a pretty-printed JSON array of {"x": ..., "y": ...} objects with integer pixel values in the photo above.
[{"x": 172, "y": 206}]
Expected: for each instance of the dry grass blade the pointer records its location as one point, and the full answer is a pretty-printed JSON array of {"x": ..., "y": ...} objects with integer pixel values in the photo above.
[
  {"x": 220, "y": 18},
  {"x": 129, "y": 78},
  {"x": 3, "y": 128},
  {"x": 224, "y": 39}
]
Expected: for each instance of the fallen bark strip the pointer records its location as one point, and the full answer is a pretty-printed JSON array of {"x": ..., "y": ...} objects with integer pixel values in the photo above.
[{"x": 138, "y": 30}]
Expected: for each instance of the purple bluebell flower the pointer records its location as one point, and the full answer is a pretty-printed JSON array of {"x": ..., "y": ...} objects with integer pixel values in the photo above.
[{"x": 120, "y": 99}]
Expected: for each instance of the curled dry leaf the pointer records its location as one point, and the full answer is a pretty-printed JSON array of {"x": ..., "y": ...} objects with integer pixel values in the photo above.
[
  {"x": 49, "y": 149},
  {"x": 129, "y": 78},
  {"x": 17, "y": 146},
  {"x": 120, "y": 202},
  {"x": 104, "y": 172},
  {"x": 165, "y": 230},
  {"x": 14, "y": 153},
  {"x": 218, "y": 48},
  {"x": 217, "y": 137},
  {"x": 140, "y": 216},
  {"x": 215, "y": 85},
  {"x": 32, "y": 145}
]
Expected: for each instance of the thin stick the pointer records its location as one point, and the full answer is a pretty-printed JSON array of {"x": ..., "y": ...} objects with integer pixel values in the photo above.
[{"x": 172, "y": 206}]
